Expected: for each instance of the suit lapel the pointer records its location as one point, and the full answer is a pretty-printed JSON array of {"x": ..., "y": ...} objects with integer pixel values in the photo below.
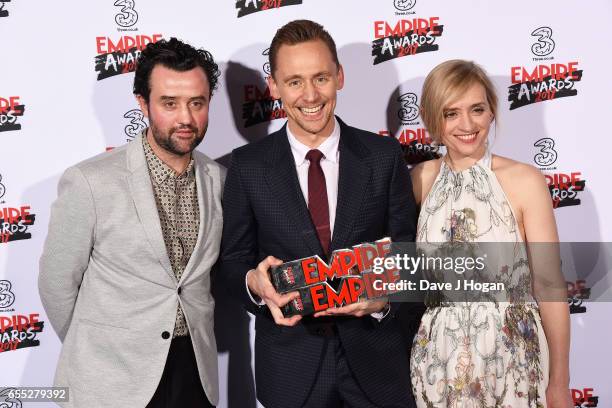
[
  {"x": 353, "y": 179},
  {"x": 204, "y": 187},
  {"x": 139, "y": 183},
  {"x": 283, "y": 181}
]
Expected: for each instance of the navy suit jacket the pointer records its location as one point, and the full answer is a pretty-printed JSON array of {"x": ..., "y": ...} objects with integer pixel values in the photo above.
[{"x": 265, "y": 213}]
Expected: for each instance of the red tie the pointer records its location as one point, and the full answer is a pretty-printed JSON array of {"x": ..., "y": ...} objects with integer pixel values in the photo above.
[{"x": 317, "y": 198}]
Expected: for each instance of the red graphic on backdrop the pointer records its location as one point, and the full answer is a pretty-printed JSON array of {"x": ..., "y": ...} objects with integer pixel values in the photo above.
[
  {"x": 14, "y": 223},
  {"x": 119, "y": 56},
  {"x": 246, "y": 7},
  {"x": 19, "y": 331},
  {"x": 259, "y": 106},
  {"x": 577, "y": 293},
  {"x": 405, "y": 37},
  {"x": 564, "y": 188},
  {"x": 416, "y": 145},
  {"x": 584, "y": 397},
  {"x": 542, "y": 83},
  {"x": 10, "y": 111}
]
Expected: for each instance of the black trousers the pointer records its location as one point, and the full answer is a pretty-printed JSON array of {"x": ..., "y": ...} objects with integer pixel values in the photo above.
[
  {"x": 335, "y": 386},
  {"x": 180, "y": 385}
]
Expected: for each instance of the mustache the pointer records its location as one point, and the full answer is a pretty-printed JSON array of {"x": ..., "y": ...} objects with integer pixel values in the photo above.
[{"x": 186, "y": 127}]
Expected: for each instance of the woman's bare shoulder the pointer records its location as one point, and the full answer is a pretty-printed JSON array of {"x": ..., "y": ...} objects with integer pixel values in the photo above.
[
  {"x": 515, "y": 170},
  {"x": 423, "y": 176}
]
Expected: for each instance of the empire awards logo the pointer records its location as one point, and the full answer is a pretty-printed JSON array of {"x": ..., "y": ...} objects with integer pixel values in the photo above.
[
  {"x": 11, "y": 110},
  {"x": 564, "y": 187},
  {"x": 584, "y": 397},
  {"x": 577, "y": 293},
  {"x": 544, "y": 45},
  {"x": 119, "y": 56},
  {"x": 246, "y": 7},
  {"x": 545, "y": 81},
  {"x": 19, "y": 331},
  {"x": 542, "y": 83},
  {"x": 416, "y": 143},
  {"x": 3, "y": 12},
  {"x": 15, "y": 222},
  {"x": 405, "y": 37},
  {"x": 258, "y": 105},
  {"x": 127, "y": 16}
]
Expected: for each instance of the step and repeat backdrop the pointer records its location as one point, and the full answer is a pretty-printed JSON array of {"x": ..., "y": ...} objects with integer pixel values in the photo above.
[{"x": 66, "y": 73}]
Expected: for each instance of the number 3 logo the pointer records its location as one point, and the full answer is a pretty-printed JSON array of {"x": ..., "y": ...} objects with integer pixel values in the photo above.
[
  {"x": 7, "y": 298},
  {"x": 8, "y": 400},
  {"x": 404, "y": 5},
  {"x": 266, "y": 66},
  {"x": 2, "y": 188},
  {"x": 545, "y": 44},
  {"x": 127, "y": 17},
  {"x": 547, "y": 155},
  {"x": 137, "y": 123},
  {"x": 409, "y": 110}
]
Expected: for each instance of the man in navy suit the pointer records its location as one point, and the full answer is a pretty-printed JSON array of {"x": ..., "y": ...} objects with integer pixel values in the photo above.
[{"x": 315, "y": 186}]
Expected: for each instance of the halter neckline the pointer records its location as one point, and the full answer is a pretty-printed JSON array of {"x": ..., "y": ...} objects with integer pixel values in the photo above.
[{"x": 484, "y": 162}]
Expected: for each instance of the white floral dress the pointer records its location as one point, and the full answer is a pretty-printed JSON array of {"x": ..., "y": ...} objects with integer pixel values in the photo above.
[{"x": 478, "y": 354}]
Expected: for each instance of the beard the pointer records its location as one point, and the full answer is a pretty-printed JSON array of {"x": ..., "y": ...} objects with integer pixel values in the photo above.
[{"x": 166, "y": 140}]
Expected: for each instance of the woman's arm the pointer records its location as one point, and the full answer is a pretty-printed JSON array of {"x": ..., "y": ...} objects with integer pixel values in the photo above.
[
  {"x": 423, "y": 176},
  {"x": 549, "y": 285}
]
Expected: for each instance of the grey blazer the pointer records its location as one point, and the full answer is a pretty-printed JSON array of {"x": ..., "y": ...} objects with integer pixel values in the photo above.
[{"x": 107, "y": 285}]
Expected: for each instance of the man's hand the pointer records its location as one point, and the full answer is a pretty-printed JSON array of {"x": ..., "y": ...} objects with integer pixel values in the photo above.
[
  {"x": 259, "y": 284},
  {"x": 358, "y": 309}
]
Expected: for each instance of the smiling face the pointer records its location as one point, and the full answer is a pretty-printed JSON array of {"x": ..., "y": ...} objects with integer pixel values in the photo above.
[
  {"x": 306, "y": 79},
  {"x": 177, "y": 109},
  {"x": 466, "y": 124}
]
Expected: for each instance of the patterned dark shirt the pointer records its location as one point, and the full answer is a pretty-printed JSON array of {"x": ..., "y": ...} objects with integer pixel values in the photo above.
[{"x": 179, "y": 214}]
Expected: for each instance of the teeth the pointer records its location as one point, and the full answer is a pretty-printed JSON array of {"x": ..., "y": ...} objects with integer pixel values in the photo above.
[
  {"x": 468, "y": 137},
  {"x": 310, "y": 111}
]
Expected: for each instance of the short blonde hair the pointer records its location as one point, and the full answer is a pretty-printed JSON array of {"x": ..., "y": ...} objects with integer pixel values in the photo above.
[{"x": 444, "y": 84}]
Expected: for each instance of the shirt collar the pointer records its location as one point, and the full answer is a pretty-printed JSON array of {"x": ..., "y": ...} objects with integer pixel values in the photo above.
[
  {"x": 160, "y": 171},
  {"x": 329, "y": 147}
]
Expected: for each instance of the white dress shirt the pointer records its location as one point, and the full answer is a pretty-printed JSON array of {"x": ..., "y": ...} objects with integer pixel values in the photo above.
[{"x": 329, "y": 165}]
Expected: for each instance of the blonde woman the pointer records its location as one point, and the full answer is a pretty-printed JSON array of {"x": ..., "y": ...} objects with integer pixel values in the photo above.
[{"x": 484, "y": 354}]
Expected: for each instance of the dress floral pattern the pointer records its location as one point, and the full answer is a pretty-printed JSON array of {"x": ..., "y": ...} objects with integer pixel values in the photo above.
[{"x": 477, "y": 354}]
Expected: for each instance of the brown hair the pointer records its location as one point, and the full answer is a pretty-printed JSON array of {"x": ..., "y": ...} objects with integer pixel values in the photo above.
[
  {"x": 299, "y": 31},
  {"x": 444, "y": 84}
]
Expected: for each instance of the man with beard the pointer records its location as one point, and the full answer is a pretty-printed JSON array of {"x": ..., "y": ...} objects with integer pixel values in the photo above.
[{"x": 133, "y": 235}]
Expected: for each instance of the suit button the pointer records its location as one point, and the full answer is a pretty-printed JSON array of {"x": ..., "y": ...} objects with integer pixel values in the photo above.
[
  {"x": 320, "y": 332},
  {"x": 165, "y": 335},
  {"x": 179, "y": 290}
]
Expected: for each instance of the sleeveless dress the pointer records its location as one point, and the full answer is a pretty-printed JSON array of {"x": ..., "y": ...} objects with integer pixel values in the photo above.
[{"x": 483, "y": 353}]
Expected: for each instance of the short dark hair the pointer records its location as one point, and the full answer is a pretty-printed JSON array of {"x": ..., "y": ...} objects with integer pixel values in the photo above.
[
  {"x": 299, "y": 31},
  {"x": 176, "y": 55}
]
